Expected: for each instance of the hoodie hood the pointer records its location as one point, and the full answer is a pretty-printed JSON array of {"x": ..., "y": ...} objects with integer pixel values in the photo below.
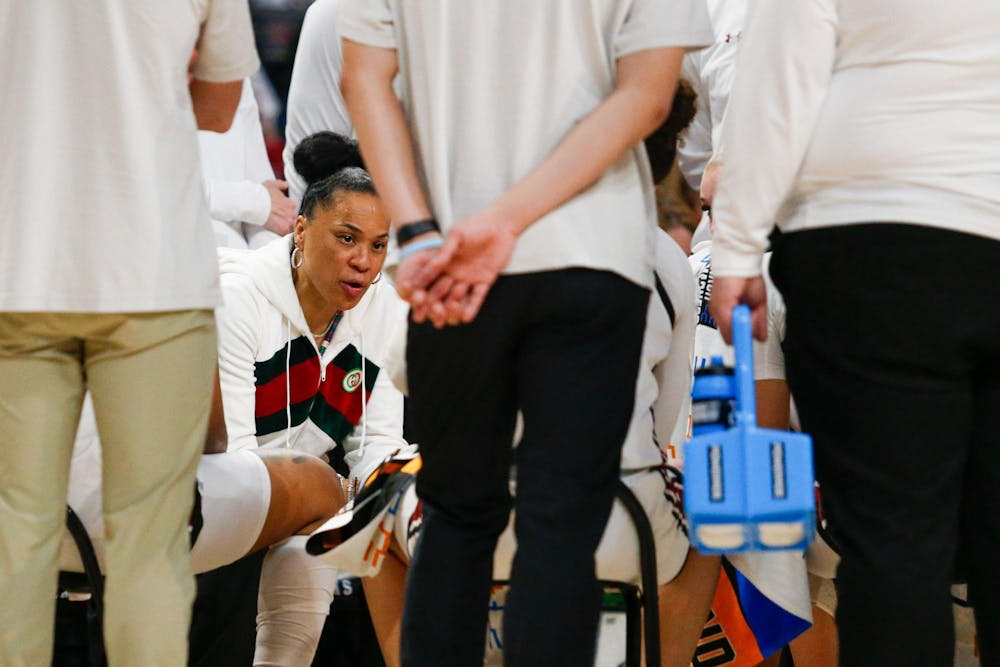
[{"x": 288, "y": 394}]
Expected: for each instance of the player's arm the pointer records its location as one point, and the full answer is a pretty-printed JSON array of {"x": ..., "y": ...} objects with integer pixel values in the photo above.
[
  {"x": 215, "y": 104},
  {"x": 216, "y": 439},
  {"x": 383, "y": 134},
  {"x": 238, "y": 323},
  {"x": 224, "y": 55}
]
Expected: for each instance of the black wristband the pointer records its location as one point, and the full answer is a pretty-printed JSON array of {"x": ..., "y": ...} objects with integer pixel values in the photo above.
[{"x": 411, "y": 230}]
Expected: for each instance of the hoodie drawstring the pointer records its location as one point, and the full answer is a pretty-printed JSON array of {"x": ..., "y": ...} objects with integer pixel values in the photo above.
[
  {"x": 288, "y": 387},
  {"x": 288, "y": 383},
  {"x": 364, "y": 398}
]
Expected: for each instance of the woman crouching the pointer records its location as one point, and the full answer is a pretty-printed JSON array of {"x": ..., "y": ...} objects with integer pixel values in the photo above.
[{"x": 304, "y": 340}]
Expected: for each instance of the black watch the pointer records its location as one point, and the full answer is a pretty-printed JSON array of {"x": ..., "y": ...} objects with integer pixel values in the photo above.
[{"x": 411, "y": 230}]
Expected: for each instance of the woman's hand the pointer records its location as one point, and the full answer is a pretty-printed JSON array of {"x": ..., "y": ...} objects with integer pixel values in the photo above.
[
  {"x": 729, "y": 292},
  {"x": 474, "y": 253},
  {"x": 411, "y": 282}
]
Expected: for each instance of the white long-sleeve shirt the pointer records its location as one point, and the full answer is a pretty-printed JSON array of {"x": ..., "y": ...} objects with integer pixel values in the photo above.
[
  {"x": 710, "y": 73},
  {"x": 854, "y": 111},
  {"x": 234, "y": 164}
]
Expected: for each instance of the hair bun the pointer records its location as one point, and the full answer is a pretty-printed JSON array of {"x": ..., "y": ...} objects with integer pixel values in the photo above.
[{"x": 323, "y": 154}]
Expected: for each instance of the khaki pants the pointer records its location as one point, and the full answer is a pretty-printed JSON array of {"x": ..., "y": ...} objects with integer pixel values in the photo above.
[{"x": 151, "y": 377}]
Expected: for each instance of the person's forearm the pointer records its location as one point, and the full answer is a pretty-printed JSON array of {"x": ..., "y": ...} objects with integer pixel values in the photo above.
[
  {"x": 216, "y": 438},
  {"x": 385, "y": 141},
  {"x": 214, "y": 104},
  {"x": 620, "y": 122}
]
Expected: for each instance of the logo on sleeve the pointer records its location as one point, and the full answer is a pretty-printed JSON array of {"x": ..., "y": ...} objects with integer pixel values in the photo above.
[{"x": 352, "y": 380}]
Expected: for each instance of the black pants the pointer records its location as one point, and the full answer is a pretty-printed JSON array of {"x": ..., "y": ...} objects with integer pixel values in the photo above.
[
  {"x": 563, "y": 348},
  {"x": 893, "y": 356}
]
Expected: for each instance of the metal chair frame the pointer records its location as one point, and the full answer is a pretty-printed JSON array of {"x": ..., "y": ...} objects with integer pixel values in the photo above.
[
  {"x": 638, "y": 625},
  {"x": 90, "y": 584}
]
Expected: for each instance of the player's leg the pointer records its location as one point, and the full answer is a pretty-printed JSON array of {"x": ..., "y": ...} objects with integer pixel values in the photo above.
[
  {"x": 981, "y": 524},
  {"x": 41, "y": 390},
  {"x": 384, "y": 594},
  {"x": 687, "y": 579},
  {"x": 817, "y": 646},
  {"x": 684, "y": 606},
  {"x": 305, "y": 491},
  {"x": 253, "y": 499},
  {"x": 890, "y": 414},
  {"x": 462, "y": 412},
  {"x": 150, "y": 376}
]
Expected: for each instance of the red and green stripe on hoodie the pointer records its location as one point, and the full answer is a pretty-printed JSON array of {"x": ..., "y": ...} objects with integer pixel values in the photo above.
[{"x": 333, "y": 402}]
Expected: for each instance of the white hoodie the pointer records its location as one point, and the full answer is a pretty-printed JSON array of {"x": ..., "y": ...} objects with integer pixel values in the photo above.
[{"x": 278, "y": 392}]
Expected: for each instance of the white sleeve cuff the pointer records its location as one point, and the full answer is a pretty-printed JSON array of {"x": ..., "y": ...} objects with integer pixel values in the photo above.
[
  {"x": 735, "y": 263},
  {"x": 238, "y": 201},
  {"x": 260, "y": 210}
]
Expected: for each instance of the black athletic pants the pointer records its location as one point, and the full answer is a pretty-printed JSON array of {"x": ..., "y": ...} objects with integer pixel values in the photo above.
[
  {"x": 893, "y": 357},
  {"x": 562, "y": 347}
]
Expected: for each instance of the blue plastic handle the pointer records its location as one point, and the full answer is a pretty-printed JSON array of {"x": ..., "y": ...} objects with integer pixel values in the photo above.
[
  {"x": 746, "y": 402},
  {"x": 746, "y": 487}
]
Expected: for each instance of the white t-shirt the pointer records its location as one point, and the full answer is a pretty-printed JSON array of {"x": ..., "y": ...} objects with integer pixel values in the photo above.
[
  {"x": 103, "y": 207},
  {"x": 854, "y": 111},
  {"x": 234, "y": 165},
  {"x": 491, "y": 87},
  {"x": 314, "y": 99}
]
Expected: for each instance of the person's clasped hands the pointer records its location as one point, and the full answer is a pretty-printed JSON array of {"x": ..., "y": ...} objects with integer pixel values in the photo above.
[{"x": 446, "y": 278}]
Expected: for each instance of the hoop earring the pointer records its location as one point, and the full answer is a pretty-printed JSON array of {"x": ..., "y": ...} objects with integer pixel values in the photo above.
[
  {"x": 378, "y": 277},
  {"x": 297, "y": 261}
]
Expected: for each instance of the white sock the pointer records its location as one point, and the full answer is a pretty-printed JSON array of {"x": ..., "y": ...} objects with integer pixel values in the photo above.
[{"x": 296, "y": 590}]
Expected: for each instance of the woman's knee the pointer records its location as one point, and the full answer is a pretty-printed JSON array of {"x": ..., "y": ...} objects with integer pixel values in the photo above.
[{"x": 305, "y": 490}]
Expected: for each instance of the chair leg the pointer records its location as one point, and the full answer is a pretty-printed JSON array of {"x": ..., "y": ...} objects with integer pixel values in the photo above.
[
  {"x": 633, "y": 623},
  {"x": 643, "y": 605},
  {"x": 647, "y": 563},
  {"x": 95, "y": 605}
]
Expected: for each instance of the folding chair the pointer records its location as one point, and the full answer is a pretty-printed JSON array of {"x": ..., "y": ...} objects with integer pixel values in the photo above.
[
  {"x": 635, "y": 599},
  {"x": 647, "y": 599}
]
